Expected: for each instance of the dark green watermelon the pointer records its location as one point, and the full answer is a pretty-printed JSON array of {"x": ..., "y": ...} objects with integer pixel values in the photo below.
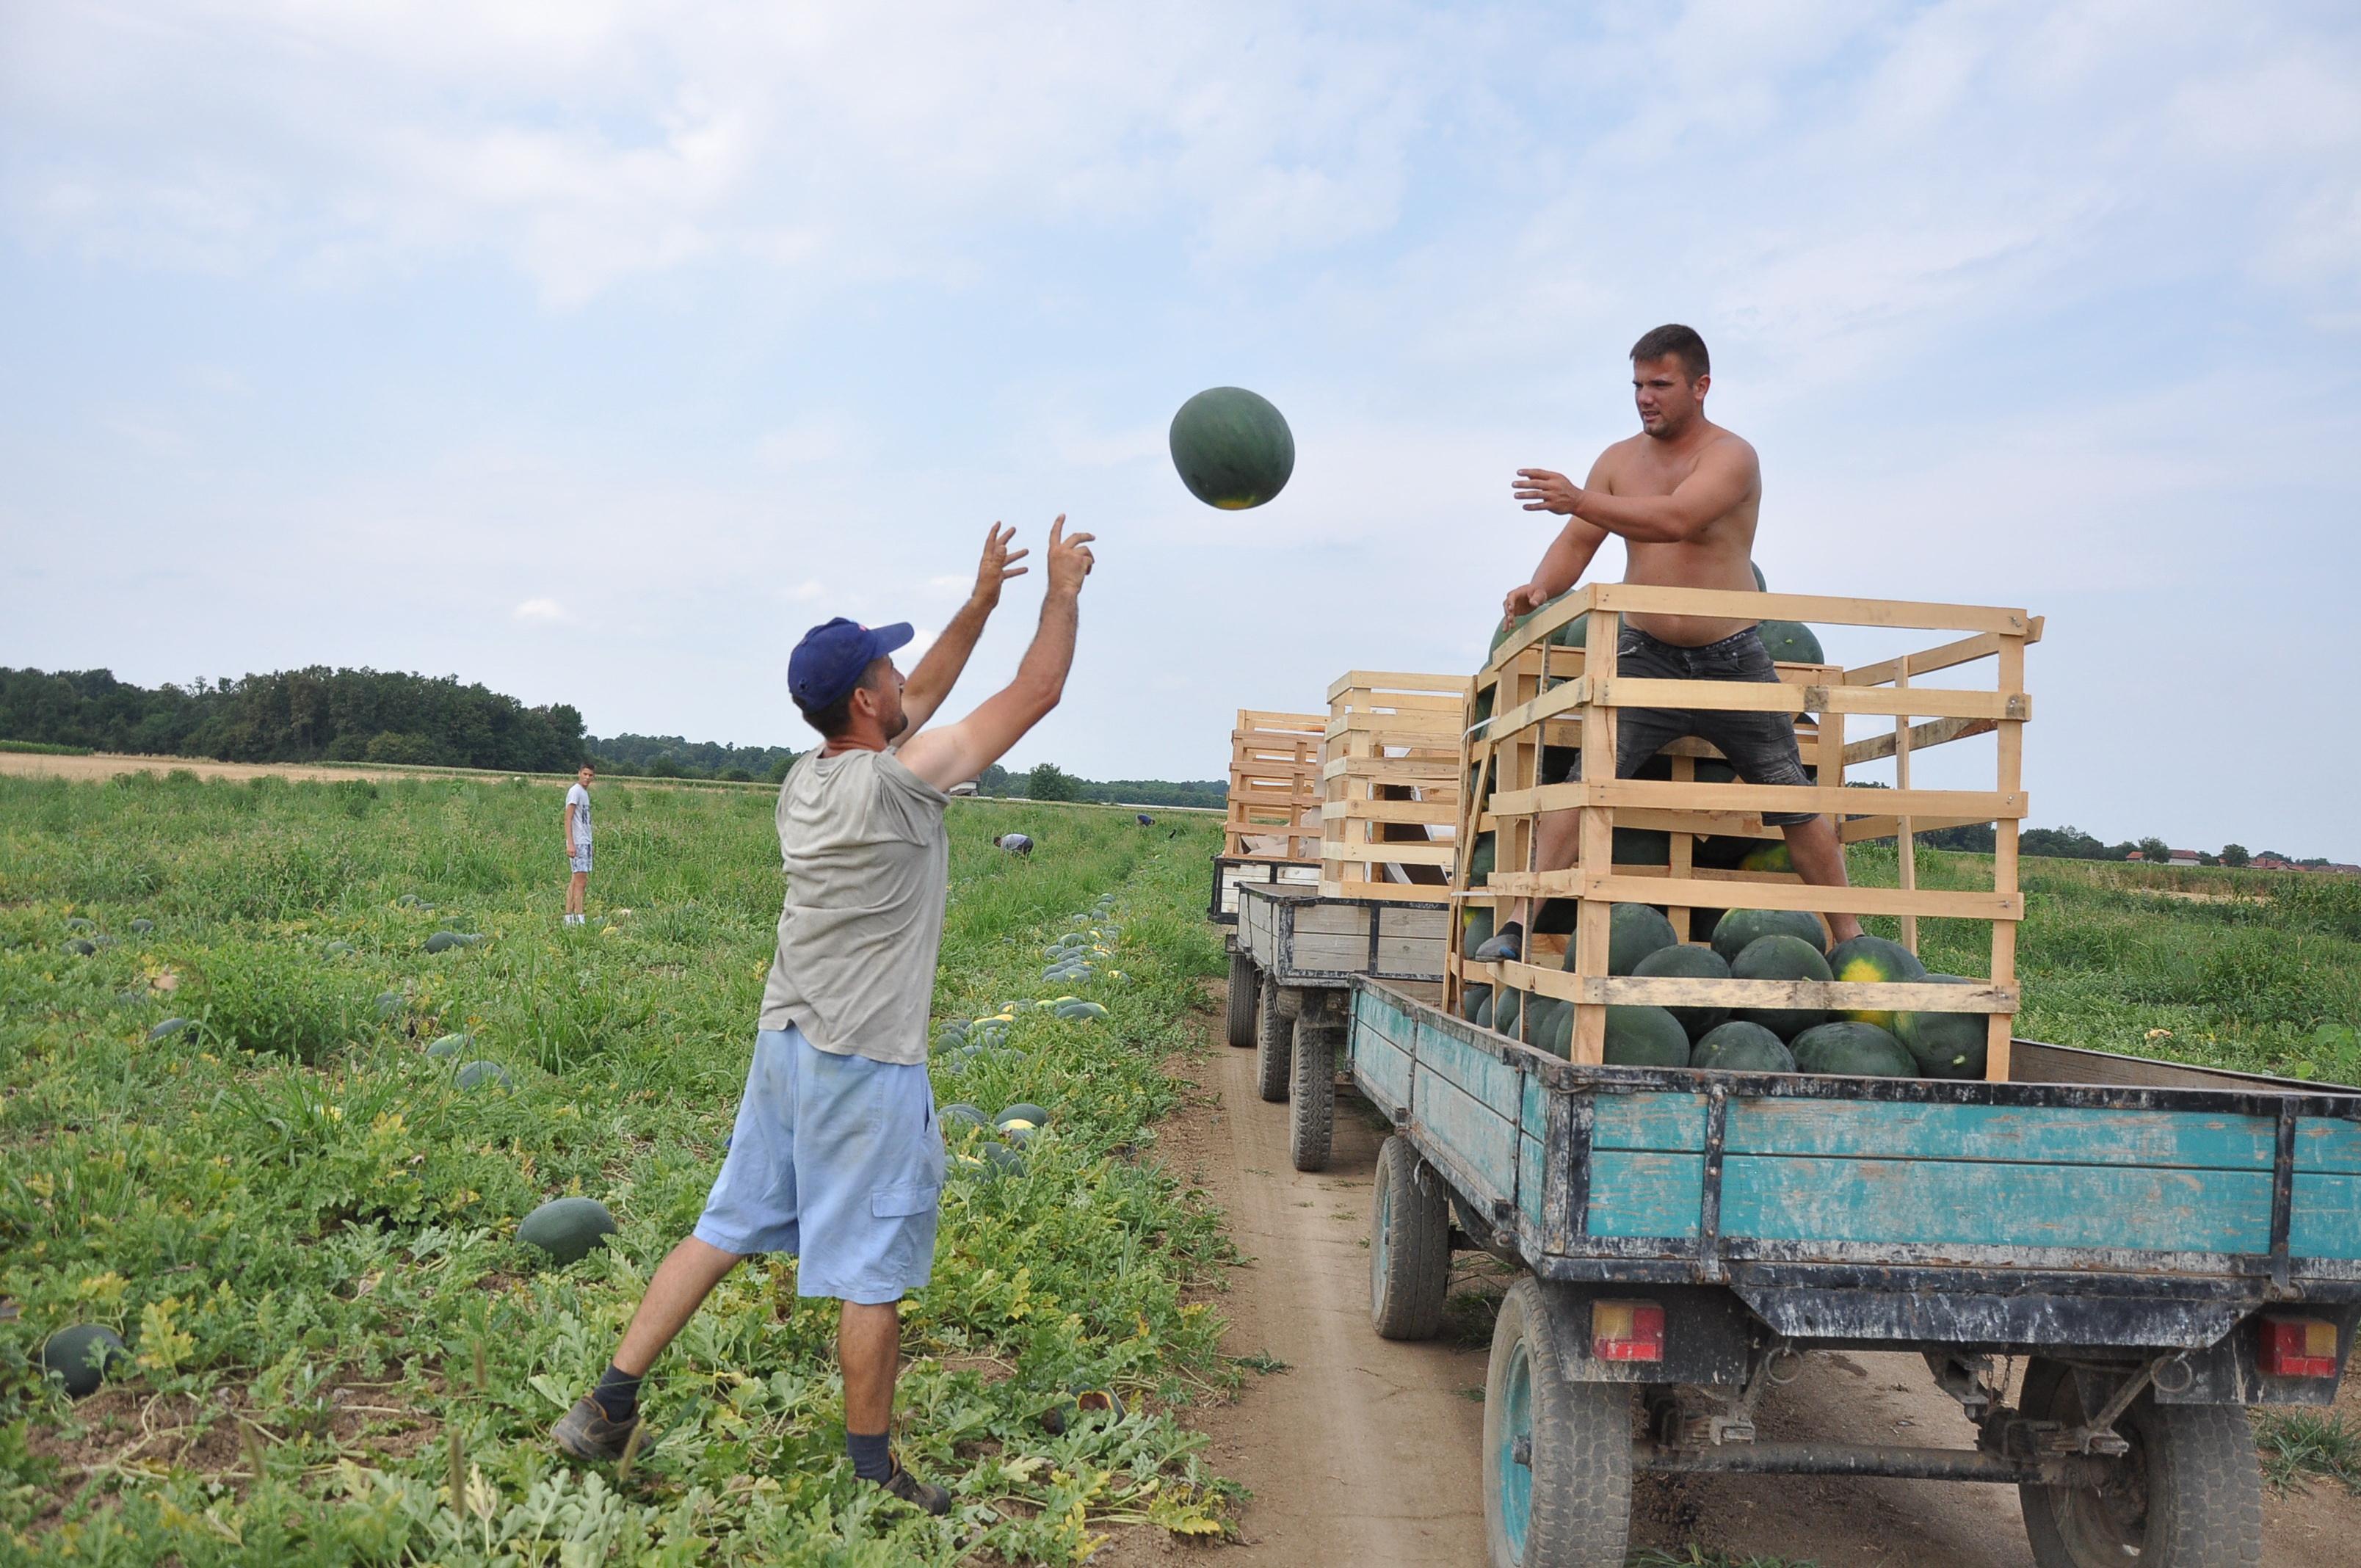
[
  {"x": 1760, "y": 585},
  {"x": 1689, "y": 963},
  {"x": 1635, "y": 931},
  {"x": 1505, "y": 1008},
  {"x": 1791, "y": 642},
  {"x": 1740, "y": 1047},
  {"x": 1642, "y": 847},
  {"x": 1741, "y": 929},
  {"x": 1476, "y": 929},
  {"x": 1000, "y": 1160},
  {"x": 1874, "y": 961},
  {"x": 1645, "y": 1037},
  {"x": 1023, "y": 1111},
  {"x": 1475, "y": 1000},
  {"x": 476, "y": 1073},
  {"x": 1558, "y": 1038},
  {"x": 1764, "y": 857},
  {"x": 1481, "y": 860},
  {"x": 1852, "y": 1050},
  {"x": 1544, "y": 1018},
  {"x": 960, "y": 1113},
  {"x": 1945, "y": 1045},
  {"x": 81, "y": 1355},
  {"x": 567, "y": 1228},
  {"x": 1233, "y": 448},
  {"x": 1781, "y": 957}
]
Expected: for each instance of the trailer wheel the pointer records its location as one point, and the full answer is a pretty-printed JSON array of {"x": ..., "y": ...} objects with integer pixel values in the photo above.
[
  {"x": 1557, "y": 1454},
  {"x": 1242, "y": 1000},
  {"x": 1311, "y": 1102},
  {"x": 2190, "y": 1492},
  {"x": 1274, "y": 1039},
  {"x": 1410, "y": 1247}
]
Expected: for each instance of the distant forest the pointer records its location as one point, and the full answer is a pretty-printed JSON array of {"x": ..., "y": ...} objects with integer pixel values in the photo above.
[
  {"x": 671, "y": 757},
  {"x": 315, "y": 714}
]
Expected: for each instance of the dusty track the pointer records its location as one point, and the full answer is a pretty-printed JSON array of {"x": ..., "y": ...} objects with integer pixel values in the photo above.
[{"x": 1365, "y": 1452}]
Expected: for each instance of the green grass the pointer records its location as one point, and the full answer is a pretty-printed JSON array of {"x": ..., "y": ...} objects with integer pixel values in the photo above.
[
  {"x": 2298, "y": 1442},
  {"x": 44, "y": 748},
  {"x": 2260, "y": 971},
  {"x": 306, "y": 1231},
  {"x": 1698, "y": 1557}
]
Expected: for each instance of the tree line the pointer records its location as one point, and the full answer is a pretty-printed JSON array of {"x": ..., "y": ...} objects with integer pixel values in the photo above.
[{"x": 312, "y": 715}]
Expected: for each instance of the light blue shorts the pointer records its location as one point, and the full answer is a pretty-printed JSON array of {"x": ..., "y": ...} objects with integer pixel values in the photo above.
[
  {"x": 580, "y": 862},
  {"x": 837, "y": 1160}
]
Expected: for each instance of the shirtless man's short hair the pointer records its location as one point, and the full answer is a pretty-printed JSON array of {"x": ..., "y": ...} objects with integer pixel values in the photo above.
[{"x": 1683, "y": 495}]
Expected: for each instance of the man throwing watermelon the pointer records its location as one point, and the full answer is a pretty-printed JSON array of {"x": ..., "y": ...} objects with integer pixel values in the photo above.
[
  {"x": 1683, "y": 495},
  {"x": 836, "y": 1158}
]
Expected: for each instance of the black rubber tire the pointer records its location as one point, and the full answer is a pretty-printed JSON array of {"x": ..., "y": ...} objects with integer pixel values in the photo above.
[
  {"x": 1274, "y": 1045},
  {"x": 2192, "y": 1497},
  {"x": 1579, "y": 1508},
  {"x": 1409, "y": 1245},
  {"x": 1243, "y": 985},
  {"x": 1311, "y": 1099}
]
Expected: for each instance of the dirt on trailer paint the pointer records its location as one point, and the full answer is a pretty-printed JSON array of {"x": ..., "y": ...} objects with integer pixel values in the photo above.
[{"x": 1365, "y": 1452}]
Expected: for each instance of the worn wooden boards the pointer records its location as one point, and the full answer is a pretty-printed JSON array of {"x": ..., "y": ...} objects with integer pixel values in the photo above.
[
  {"x": 1536, "y": 709},
  {"x": 1299, "y": 937},
  {"x": 1390, "y": 788},
  {"x": 1274, "y": 802}
]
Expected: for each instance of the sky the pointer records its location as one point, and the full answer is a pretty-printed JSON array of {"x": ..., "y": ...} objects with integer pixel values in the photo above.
[{"x": 595, "y": 350}]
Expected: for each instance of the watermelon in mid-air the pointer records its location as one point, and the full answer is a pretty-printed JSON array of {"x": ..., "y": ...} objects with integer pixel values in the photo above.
[{"x": 1233, "y": 448}]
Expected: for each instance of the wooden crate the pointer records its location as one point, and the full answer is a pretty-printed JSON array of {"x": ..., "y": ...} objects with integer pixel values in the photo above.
[
  {"x": 1391, "y": 777},
  {"x": 1231, "y": 872},
  {"x": 1274, "y": 804},
  {"x": 1300, "y": 938},
  {"x": 1532, "y": 695}
]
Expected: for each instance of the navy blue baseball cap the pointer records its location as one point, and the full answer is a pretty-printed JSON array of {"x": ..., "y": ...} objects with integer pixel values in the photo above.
[{"x": 829, "y": 662}]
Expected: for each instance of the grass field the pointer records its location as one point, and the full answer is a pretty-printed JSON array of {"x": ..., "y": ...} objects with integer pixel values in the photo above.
[{"x": 306, "y": 1230}]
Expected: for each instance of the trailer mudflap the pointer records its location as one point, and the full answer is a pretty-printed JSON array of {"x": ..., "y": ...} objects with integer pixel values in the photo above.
[{"x": 2024, "y": 1320}]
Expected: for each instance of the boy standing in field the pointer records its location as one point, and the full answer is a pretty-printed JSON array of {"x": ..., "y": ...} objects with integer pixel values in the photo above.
[
  {"x": 577, "y": 841},
  {"x": 836, "y": 1158}
]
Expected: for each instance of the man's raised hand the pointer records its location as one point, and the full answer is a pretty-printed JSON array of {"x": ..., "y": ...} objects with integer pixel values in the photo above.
[
  {"x": 1522, "y": 600},
  {"x": 998, "y": 565},
  {"x": 1069, "y": 558},
  {"x": 1543, "y": 491}
]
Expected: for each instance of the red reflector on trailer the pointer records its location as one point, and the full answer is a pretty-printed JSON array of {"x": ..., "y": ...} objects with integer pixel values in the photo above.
[
  {"x": 2297, "y": 1347},
  {"x": 1626, "y": 1331}
]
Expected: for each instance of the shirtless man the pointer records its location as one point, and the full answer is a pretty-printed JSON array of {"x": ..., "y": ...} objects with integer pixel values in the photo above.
[{"x": 1683, "y": 494}]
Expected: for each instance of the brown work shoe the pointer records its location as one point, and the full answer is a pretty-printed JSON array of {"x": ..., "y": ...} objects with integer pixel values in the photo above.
[
  {"x": 585, "y": 1432},
  {"x": 917, "y": 1493}
]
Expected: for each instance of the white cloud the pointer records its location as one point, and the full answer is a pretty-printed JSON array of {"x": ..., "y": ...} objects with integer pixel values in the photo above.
[{"x": 540, "y": 612}]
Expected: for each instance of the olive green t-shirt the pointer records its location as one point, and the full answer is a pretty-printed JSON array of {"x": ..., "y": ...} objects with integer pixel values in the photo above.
[{"x": 868, "y": 865}]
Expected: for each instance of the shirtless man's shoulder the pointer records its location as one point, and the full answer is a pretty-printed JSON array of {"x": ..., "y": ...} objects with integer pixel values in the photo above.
[{"x": 1644, "y": 467}]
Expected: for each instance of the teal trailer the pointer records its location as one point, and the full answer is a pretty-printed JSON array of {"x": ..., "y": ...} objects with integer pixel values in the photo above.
[{"x": 2167, "y": 1246}]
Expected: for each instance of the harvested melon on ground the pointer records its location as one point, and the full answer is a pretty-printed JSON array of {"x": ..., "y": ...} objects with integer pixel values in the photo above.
[
  {"x": 1739, "y": 928},
  {"x": 1781, "y": 957},
  {"x": 567, "y": 1228},
  {"x": 81, "y": 1357},
  {"x": 1854, "y": 1050}
]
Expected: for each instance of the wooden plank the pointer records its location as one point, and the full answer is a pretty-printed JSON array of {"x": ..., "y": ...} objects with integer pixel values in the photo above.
[
  {"x": 1396, "y": 681},
  {"x": 2326, "y": 1218},
  {"x": 1934, "y": 1203},
  {"x": 2009, "y": 775},
  {"x": 1834, "y": 995},
  {"x": 1392, "y": 853},
  {"x": 1944, "y": 905},
  {"x": 1730, "y": 605},
  {"x": 1596, "y": 827},
  {"x": 1979, "y": 806},
  {"x": 1934, "y": 732},
  {"x": 1768, "y": 697}
]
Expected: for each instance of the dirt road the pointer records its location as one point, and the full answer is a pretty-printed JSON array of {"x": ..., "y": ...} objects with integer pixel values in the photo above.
[{"x": 1365, "y": 1452}]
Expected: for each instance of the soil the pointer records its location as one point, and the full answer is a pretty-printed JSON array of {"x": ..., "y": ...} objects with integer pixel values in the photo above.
[{"x": 1365, "y": 1451}]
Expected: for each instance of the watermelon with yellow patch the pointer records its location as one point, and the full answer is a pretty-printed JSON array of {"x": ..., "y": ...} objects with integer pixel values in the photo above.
[{"x": 1872, "y": 961}]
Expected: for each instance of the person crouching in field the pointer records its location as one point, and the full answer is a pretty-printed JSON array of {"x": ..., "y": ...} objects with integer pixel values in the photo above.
[
  {"x": 577, "y": 841},
  {"x": 1683, "y": 495},
  {"x": 836, "y": 1158}
]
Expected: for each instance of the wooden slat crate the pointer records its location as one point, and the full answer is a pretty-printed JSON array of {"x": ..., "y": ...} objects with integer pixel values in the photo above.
[
  {"x": 1391, "y": 775},
  {"x": 1231, "y": 872},
  {"x": 1274, "y": 806},
  {"x": 1518, "y": 706},
  {"x": 1299, "y": 937}
]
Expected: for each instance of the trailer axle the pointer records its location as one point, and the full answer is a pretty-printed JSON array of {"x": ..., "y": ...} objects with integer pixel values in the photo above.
[{"x": 1874, "y": 1459}]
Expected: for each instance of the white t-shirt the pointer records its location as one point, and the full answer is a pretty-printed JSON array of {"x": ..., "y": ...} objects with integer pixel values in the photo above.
[{"x": 579, "y": 799}]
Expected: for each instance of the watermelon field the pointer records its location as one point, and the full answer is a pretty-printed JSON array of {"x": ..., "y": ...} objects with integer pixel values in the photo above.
[{"x": 304, "y": 1229}]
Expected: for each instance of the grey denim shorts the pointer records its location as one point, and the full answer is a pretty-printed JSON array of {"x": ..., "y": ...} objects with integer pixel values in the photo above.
[{"x": 1761, "y": 746}]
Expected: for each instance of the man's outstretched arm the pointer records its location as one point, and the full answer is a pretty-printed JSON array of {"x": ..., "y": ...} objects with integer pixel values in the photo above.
[
  {"x": 957, "y": 753},
  {"x": 1724, "y": 475},
  {"x": 939, "y": 671},
  {"x": 1561, "y": 565}
]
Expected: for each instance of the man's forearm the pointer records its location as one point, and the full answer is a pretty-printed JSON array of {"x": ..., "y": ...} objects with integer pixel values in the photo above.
[
  {"x": 1564, "y": 561},
  {"x": 1646, "y": 520},
  {"x": 932, "y": 681},
  {"x": 1042, "y": 671}
]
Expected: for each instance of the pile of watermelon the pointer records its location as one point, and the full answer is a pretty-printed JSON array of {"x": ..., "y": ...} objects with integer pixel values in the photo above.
[{"x": 1752, "y": 944}]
